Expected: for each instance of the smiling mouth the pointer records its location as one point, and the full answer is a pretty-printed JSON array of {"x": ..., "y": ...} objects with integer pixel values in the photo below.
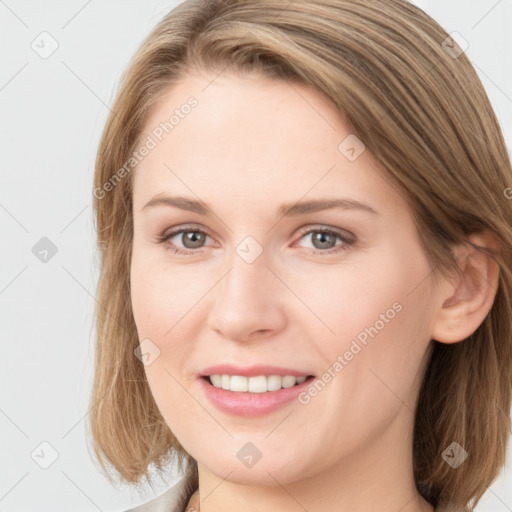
[{"x": 256, "y": 384}]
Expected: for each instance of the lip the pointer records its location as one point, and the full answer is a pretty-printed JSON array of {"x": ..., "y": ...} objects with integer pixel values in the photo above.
[
  {"x": 251, "y": 371},
  {"x": 251, "y": 404}
]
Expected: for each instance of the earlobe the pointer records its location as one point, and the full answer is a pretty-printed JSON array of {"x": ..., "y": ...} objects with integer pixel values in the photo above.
[{"x": 466, "y": 299}]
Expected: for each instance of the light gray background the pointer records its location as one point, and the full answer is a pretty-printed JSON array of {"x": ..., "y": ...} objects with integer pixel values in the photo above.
[{"x": 52, "y": 112}]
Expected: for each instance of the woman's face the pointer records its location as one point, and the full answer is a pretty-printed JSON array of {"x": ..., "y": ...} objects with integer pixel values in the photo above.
[{"x": 338, "y": 293}]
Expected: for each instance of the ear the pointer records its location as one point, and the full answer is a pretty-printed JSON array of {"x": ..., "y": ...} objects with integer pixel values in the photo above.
[{"x": 464, "y": 301}]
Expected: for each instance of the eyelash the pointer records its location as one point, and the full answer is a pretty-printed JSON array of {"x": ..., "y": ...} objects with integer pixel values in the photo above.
[{"x": 347, "y": 241}]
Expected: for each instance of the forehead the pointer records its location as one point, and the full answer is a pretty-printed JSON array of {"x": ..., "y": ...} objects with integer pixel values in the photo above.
[{"x": 251, "y": 138}]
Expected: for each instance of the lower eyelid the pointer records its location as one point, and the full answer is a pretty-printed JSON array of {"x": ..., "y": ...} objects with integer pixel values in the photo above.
[
  {"x": 345, "y": 244},
  {"x": 347, "y": 241},
  {"x": 167, "y": 237}
]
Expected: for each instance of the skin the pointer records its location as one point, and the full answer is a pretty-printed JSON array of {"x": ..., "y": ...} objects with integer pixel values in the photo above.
[{"x": 250, "y": 145}]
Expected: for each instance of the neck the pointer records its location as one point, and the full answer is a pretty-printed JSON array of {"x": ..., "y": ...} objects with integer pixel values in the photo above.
[{"x": 378, "y": 476}]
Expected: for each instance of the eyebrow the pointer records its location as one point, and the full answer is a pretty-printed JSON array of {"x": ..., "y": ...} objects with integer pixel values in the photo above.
[{"x": 299, "y": 208}]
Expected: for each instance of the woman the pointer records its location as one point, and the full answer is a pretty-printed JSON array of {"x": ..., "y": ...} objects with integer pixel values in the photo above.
[{"x": 305, "y": 236}]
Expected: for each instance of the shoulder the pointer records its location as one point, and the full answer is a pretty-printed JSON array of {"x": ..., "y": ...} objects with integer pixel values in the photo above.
[{"x": 173, "y": 499}]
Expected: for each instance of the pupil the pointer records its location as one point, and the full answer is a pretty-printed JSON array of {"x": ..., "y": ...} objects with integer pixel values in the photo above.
[
  {"x": 321, "y": 238},
  {"x": 193, "y": 239}
]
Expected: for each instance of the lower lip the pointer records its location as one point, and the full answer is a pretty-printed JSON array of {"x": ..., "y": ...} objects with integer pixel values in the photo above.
[{"x": 251, "y": 404}]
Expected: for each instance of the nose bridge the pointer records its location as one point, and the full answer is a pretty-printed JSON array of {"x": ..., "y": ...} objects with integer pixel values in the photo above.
[
  {"x": 249, "y": 275},
  {"x": 245, "y": 300},
  {"x": 247, "y": 283}
]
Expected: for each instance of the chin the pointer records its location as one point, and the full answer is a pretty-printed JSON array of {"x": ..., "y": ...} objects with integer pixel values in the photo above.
[{"x": 265, "y": 473}]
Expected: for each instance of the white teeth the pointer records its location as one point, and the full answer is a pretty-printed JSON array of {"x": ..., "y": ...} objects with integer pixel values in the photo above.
[
  {"x": 259, "y": 384},
  {"x": 238, "y": 383},
  {"x": 225, "y": 381},
  {"x": 216, "y": 380},
  {"x": 274, "y": 382},
  {"x": 256, "y": 384},
  {"x": 288, "y": 382}
]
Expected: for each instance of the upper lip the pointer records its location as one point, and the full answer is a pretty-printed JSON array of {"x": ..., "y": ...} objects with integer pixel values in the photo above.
[{"x": 251, "y": 371}]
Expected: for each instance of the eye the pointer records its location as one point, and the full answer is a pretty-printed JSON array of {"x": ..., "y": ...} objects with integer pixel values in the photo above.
[
  {"x": 323, "y": 238},
  {"x": 192, "y": 238}
]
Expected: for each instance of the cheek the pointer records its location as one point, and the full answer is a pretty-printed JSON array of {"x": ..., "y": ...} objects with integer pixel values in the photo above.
[
  {"x": 160, "y": 301},
  {"x": 161, "y": 295},
  {"x": 350, "y": 297},
  {"x": 375, "y": 316},
  {"x": 166, "y": 308}
]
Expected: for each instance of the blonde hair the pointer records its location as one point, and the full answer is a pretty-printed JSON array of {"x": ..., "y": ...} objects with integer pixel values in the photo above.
[{"x": 422, "y": 111}]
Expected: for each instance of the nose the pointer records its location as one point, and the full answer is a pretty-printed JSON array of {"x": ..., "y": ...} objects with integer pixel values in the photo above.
[{"x": 248, "y": 302}]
